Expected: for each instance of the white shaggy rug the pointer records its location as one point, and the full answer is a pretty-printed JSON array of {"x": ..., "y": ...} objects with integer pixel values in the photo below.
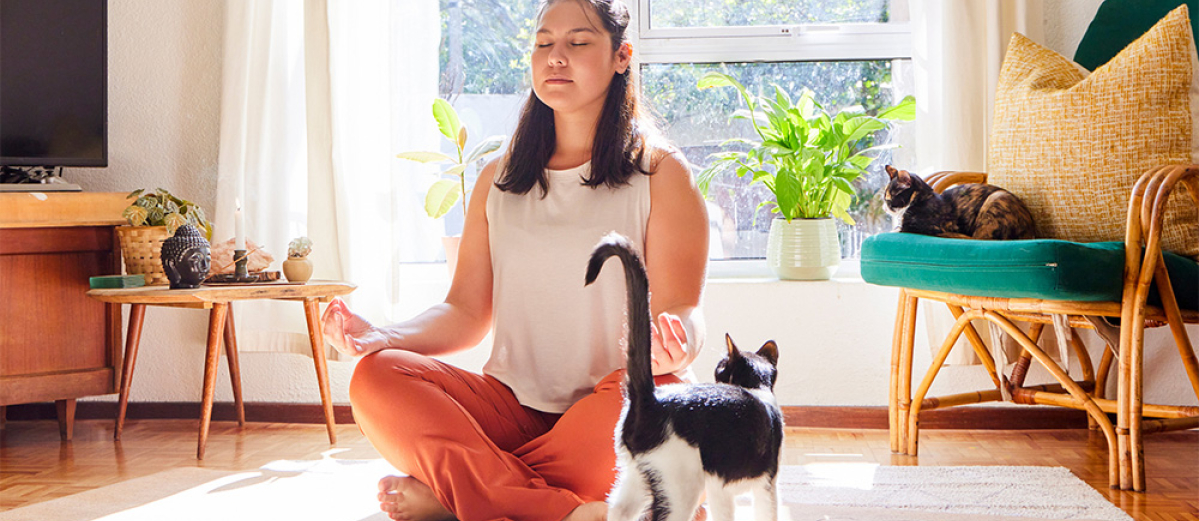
[{"x": 333, "y": 489}]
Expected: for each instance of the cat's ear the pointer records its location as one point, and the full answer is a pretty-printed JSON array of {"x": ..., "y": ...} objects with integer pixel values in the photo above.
[
  {"x": 733, "y": 351},
  {"x": 770, "y": 351},
  {"x": 892, "y": 172},
  {"x": 903, "y": 178}
]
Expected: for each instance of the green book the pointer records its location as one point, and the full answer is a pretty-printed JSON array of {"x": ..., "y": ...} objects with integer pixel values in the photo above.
[{"x": 117, "y": 281}]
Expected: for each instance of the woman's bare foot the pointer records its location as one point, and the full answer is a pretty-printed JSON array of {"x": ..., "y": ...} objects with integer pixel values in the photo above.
[
  {"x": 405, "y": 498},
  {"x": 594, "y": 511}
]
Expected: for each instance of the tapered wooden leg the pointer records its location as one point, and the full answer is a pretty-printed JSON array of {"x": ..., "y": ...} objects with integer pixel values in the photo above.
[
  {"x": 893, "y": 398},
  {"x": 66, "y": 418},
  {"x": 137, "y": 313},
  {"x": 905, "y": 371},
  {"x": 312, "y": 312},
  {"x": 3, "y": 416},
  {"x": 216, "y": 326},
  {"x": 234, "y": 365}
]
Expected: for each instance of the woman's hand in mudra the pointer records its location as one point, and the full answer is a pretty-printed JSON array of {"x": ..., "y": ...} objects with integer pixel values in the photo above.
[
  {"x": 670, "y": 348},
  {"x": 349, "y": 333}
]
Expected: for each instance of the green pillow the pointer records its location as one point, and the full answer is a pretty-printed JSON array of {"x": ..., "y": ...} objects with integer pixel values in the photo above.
[
  {"x": 1042, "y": 268},
  {"x": 1119, "y": 22}
]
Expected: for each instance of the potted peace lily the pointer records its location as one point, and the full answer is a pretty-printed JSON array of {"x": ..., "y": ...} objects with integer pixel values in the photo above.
[
  {"x": 451, "y": 189},
  {"x": 808, "y": 159}
]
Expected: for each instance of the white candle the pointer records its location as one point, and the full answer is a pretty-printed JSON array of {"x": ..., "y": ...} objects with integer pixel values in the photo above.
[{"x": 239, "y": 226}]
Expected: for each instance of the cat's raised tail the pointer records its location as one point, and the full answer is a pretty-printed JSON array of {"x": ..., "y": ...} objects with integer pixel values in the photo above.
[{"x": 640, "y": 372}]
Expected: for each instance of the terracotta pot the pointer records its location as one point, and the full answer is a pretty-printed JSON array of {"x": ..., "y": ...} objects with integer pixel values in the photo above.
[{"x": 297, "y": 269}]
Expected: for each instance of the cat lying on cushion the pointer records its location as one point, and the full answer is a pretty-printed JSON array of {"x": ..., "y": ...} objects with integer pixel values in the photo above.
[{"x": 967, "y": 211}]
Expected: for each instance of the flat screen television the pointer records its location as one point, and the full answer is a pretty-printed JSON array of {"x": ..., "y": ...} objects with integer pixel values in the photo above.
[{"x": 53, "y": 83}]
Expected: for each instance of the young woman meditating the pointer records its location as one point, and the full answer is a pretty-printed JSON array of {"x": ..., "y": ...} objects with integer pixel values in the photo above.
[{"x": 532, "y": 437}]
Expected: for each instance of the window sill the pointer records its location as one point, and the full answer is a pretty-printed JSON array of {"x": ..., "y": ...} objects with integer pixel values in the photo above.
[
  {"x": 748, "y": 271},
  {"x": 755, "y": 271}
]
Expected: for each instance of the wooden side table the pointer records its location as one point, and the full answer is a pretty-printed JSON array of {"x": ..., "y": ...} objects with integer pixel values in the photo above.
[{"x": 217, "y": 299}]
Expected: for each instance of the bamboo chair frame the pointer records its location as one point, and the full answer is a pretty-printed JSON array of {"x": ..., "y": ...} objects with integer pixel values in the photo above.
[{"x": 1144, "y": 266}]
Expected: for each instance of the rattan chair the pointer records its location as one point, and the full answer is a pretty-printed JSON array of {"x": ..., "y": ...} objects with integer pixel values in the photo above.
[{"x": 1144, "y": 268}]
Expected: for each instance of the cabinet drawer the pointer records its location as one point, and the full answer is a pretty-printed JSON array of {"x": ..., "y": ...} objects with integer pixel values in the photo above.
[{"x": 19, "y": 241}]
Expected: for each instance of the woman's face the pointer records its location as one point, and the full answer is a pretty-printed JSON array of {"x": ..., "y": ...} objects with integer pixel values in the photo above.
[{"x": 573, "y": 60}]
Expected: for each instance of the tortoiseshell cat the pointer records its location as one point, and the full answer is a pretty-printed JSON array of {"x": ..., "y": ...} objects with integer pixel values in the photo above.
[
  {"x": 675, "y": 441},
  {"x": 968, "y": 211}
]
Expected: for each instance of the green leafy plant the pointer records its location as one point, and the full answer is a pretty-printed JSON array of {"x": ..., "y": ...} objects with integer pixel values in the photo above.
[
  {"x": 807, "y": 158},
  {"x": 446, "y": 192},
  {"x": 160, "y": 208}
]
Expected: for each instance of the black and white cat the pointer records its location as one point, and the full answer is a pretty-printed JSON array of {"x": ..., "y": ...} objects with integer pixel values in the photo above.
[{"x": 674, "y": 441}]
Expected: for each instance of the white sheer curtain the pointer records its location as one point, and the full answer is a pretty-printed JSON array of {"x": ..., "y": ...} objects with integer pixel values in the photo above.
[
  {"x": 261, "y": 152},
  {"x": 318, "y": 98},
  {"x": 958, "y": 48}
]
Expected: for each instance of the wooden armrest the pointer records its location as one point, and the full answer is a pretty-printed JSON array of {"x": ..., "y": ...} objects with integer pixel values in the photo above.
[
  {"x": 1147, "y": 203},
  {"x": 1143, "y": 258},
  {"x": 942, "y": 181}
]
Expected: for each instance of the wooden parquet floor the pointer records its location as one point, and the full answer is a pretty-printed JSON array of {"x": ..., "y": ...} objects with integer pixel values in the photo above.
[{"x": 35, "y": 466}]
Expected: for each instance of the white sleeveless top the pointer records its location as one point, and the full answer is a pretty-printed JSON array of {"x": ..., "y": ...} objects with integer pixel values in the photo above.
[{"x": 554, "y": 338}]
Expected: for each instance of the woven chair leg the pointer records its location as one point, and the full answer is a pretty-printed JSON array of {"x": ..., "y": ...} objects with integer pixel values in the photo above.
[
  {"x": 1072, "y": 387},
  {"x": 939, "y": 360},
  {"x": 907, "y": 342}
]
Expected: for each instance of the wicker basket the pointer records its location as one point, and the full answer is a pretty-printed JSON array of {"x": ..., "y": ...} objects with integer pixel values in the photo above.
[{"x": 141, "y": 246}]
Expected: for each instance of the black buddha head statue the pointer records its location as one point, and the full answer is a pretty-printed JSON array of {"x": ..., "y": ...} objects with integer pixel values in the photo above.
[{"x": 185, "y": 258}]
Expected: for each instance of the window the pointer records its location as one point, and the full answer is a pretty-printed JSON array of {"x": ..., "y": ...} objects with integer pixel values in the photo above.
[{"x": 849, "y": 52}]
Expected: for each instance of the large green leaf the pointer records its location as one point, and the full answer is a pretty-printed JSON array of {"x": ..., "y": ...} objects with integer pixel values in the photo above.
[
  {"x": 858, "y": 127},
  {"x": 841, "y": 201},
  {"x": 447, "y": 119},
  {"x": 455, "y": 170},
  {"x": 441, "y": 197},
  {"x": 905, "y": 110},
  {"x": 787, "y": 189},
  {"x": 481, "y": 150},
  {"x": 424, "y": 157},
  {"x": 718, "y": 79},
  {"x": 842, "y": 185}
]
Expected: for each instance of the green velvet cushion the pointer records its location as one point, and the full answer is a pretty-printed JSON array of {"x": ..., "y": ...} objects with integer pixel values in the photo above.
[
  {"x": 1119, "y": 22},
  {"x": 1042, "y": 268}
]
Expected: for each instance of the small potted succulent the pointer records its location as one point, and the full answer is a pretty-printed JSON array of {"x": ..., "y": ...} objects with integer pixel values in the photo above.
[
  {"x": 447, "y": 192},
  {"x": 297, "y": 267},
  {"x": 153, "y": 217}
]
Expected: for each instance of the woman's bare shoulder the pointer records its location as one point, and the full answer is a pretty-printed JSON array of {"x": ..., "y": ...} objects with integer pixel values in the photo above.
[{"x": 668, "y": 165}]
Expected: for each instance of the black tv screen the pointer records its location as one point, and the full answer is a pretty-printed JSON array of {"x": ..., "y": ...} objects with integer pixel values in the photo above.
[{"x": 53, "y": 83}]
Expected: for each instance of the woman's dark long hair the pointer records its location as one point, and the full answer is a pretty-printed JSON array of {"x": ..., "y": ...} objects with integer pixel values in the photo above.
[{"x": 622, "y": 132}]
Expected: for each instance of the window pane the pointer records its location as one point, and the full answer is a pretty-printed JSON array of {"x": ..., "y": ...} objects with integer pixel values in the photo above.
[
  {"x": 484, "y": 73},
  {"x": 698, "y": 121},
  {"x": 722, "y": 13}
]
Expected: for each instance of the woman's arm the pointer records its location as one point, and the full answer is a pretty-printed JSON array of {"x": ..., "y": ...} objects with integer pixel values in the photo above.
[
  {"x": 458, "y": 323},
  {"x": 676, "y": 260}
]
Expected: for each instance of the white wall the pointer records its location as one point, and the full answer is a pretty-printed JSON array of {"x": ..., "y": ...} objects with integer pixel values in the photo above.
[{"x": 164, "y": 76}]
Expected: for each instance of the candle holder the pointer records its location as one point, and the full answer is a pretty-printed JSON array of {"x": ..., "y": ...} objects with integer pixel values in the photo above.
[{"x": 241, "y": 269}]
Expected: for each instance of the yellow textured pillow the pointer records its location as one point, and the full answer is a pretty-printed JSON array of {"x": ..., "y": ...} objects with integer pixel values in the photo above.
[{"x": 1072, "y": 145}]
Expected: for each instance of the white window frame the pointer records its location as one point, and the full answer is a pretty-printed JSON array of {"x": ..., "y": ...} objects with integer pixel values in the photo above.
[{"x": 766, "y": 43}]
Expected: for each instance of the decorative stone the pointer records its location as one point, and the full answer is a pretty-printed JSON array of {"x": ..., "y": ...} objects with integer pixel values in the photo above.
[{"x": 185, "y": 258}]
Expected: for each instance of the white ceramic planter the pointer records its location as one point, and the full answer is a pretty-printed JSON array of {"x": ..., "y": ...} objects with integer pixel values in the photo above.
[{"x": 803, "y": 249}]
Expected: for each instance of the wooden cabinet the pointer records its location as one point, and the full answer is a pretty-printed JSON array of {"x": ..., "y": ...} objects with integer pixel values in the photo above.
[{"x": 56, "y": 343}]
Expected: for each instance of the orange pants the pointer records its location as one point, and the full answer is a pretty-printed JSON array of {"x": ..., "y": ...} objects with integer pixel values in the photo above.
[{"x": 486, "y": 456}]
